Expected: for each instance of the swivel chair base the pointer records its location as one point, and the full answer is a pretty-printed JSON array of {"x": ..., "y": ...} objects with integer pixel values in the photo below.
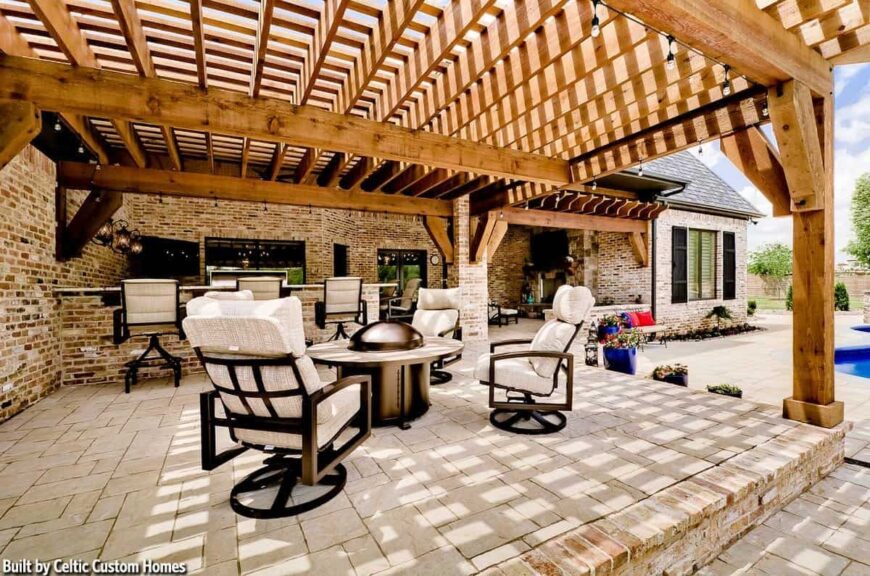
[
  {"x": 163, "y": 358},
  {"x": 340, "y": 333},
  {"x": 283, "y": 472},
  {"x": 438, "y": 377},
  {"x": 527, "y": 421}
]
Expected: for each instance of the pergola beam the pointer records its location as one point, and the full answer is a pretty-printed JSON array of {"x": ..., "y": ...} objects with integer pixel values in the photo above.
[
  {"x": 198, "y": 34},
  {"x": 20, "y": 122},
  {"x": 112, "y": 95},
  {"x": 738, "y": 33},
  {"x": 548, "y": 219},
  {"x": 188, "y": 184},
  {"x": 11, "y": 42},
  {"x": 264, "y": 27},
  {"x": 324, "y": 33}
]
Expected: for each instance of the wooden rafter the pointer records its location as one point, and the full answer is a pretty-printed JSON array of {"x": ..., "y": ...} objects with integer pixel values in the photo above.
[
  {"x": 198, "y": 33},
  {"x": 277, "y": 162},
  {"x": 94, "y": 142},
  {"x": 738, "y": 33},
  {"x": 151, "y": 181},
  {"x": 11, "y": 42},
  {"x": 264, "y": 27},
  {"x": 246, "y": 151},
  {"x": 97, "y": 208},
  {"x": 318, "y": 49},
  {"x": 396, "y": 17},
  {"x": 550, "y": 219}
]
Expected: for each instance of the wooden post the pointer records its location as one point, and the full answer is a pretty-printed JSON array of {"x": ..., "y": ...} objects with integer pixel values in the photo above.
[
  {"x": 813, "y": 290},
  {"x": 20, "y": 122}
]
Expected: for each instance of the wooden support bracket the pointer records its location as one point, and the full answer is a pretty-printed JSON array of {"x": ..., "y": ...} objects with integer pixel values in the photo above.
[
  {"x": 752, "y": 153},
  {"x": 486, "y": 225},
  {"x": 640, "y": 246},
  {"x": 20, "y": 122},
  {"x": 437, "y": 229},
  {"x": 98, "y": 207},
  {"x": 794, "y": 123}
]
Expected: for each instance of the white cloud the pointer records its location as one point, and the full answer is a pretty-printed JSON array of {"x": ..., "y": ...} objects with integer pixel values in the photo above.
[
  {"x": 843, "y": 75},
  {"x": 852, "y": 123},
  {"x": 711, "y": 156}
]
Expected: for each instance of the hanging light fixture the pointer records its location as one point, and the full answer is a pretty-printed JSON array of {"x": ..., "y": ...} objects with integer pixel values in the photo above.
[
  {"x": 726, "y": 84},
  {"x": 640, "y": 168},
  {"x": 118, "y": 236},
  {"x": 594, "y": 185},
  {"x": 672, "y": 50},
  {"x": 81, "y": 149},
  {"x": 765, "y": 111},
  {"x": 57, "y": 126},
  {"x": 596, "y": 23}
]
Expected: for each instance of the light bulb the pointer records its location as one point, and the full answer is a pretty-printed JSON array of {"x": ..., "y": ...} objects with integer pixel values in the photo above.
[
  {"x": 764, "y": 110},
  {"x": 596, "y": 26},
  {"x": 594, "y": 185},
  {"x": 672, "y": 44},
  {"x": 57, "y": 126},
  {"x": 640, "y": 169},
  {"x": 81, "y": 149},
  {"x": 726, "y": 84},
  {"x": 672, "y": 62}
]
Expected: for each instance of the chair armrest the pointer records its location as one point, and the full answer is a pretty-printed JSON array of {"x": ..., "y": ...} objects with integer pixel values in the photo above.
[
  {"x": 566, "y": 356},
  {"x": 453, "y": 331},
  {"x": 494, "y": 345},
  {"x": 340, "y": 384}
]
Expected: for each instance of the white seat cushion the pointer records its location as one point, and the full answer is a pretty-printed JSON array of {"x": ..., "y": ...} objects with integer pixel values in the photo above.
[
  {"x": 434, "y": 322},
  {"x": 224, "y": 295},
  {"x": 516, "y": 374},
  {"x": 509, "y": 312},
  {"x": 332, "y": 415},
  {"x": 439, "y": 299}
]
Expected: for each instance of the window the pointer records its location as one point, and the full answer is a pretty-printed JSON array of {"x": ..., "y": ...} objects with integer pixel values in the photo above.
[
  {"x": 399, "y": 266},
  {"x": 729, "y": 266},
  {"x": 275, "y": 255},
  {"x": 339, "y": 260},
  {"x": 693, "y": 270}
]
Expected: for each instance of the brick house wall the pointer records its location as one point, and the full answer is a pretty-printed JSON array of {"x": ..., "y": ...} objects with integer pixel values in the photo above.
[
  {"x": 30, "y": 357},
  {"x": 364, "y": 233},
  {"x": 608, "y": 268},
  {"x": 688, "y": 316}
]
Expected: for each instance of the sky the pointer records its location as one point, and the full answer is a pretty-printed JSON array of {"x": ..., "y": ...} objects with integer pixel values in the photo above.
[{"x": 851, "y": 159}]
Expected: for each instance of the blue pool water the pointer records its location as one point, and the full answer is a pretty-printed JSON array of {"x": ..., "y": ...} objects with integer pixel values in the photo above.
[
  {"x": 862, "y": 328},
  {"x": 853, "y": 360}
]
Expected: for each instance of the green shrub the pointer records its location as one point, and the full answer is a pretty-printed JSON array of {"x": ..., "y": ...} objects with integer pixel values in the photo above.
[
  {"x": 751, "y": 306},
  {"x": 789, "y": 299},
  {"x": 719, "y": 313},
  {"x": 725, "y": 389},
  {"x": 841, "y": 297}
]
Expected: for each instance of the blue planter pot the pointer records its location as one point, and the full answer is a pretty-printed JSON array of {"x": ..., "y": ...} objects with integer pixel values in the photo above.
[
  {"x": 605, "y": 331},
  {"x": 621, "y": 360}
]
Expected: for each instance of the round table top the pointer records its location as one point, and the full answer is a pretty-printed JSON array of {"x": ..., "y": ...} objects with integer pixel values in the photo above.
[{"x": 337, "y": 354}]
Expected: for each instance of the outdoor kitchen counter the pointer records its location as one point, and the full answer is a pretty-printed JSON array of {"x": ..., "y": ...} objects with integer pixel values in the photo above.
[{"x": 89, "y": 355}]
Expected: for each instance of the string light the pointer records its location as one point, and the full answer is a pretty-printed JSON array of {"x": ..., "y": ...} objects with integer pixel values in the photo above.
[
  {"x": 726, "y": 84},
  {"x": 672, "y": 61},
  {"x": 672, "y": 44},
  {"x": 81, "y": 149},
  {"x": 700, "y": 147},
  {"x": 594, "y": 185},
  {"x": 596, "y": 23},
  {"x": 640, "y": 168},
  {"x": 764, "y": 110},
  {"x": 57, "y": 126},
  {"x": 527, "y": 205},
  {"x": 265, "y": 207}
]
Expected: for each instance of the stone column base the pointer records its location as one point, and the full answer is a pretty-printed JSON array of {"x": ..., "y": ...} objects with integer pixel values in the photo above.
[{"x": 826, "y": 416}]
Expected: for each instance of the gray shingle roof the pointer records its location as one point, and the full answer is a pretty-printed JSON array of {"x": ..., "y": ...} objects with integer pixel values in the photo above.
[{"x": 704, "y": 189}]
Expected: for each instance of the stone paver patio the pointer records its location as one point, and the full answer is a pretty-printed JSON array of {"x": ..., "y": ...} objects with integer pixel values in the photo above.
[{"x": 91, "y": 472}]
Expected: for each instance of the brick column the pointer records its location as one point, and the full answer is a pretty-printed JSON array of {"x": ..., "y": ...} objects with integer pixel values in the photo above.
[{"x": 472, "y": 278}]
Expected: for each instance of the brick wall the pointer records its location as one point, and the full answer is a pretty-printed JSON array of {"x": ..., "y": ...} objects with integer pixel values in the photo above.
[
  {"x": 682, "y": 317},
  {"x": 505, "y": 267},
  {"x": 30, "y": 359},
  {"x": 363, "y": 232},
  {"x": 472, "y": 278}
]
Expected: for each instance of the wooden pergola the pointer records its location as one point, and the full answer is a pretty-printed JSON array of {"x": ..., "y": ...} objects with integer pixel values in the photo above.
[{"x": 406, "y": 105}]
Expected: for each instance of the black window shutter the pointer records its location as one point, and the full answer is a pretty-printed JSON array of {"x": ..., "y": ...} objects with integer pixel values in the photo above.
[
  {"x": 729, "y": 266},
  {"x": 679, "y": 265}
]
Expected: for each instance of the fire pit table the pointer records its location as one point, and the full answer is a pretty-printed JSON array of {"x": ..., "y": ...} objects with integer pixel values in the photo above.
[{"x": 400, "y": 377}]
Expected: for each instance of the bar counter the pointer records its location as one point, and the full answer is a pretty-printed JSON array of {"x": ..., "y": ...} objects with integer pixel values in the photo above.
[{"x": 89, "y": 355}]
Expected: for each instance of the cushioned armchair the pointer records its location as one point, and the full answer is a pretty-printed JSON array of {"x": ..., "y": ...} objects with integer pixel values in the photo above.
[
  {"x": 268, "y": 394},
  {"x": 437, "y": 315},
  {"x": 402, "y": 307},
  {"x": 530, "y": 376}
]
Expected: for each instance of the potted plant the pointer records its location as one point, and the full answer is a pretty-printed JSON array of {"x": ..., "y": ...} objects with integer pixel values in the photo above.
[
  {"x": 620, "y": 351},
  {"x": 609, "y": 325},
  {"x": 726, "y": 390},
  {"x": 677, "y": 374}
]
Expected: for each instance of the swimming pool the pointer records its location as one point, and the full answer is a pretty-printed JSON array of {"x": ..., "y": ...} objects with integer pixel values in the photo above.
[
  {"x": 862, "y": 327},
  {"x": 853, "y": 360}
]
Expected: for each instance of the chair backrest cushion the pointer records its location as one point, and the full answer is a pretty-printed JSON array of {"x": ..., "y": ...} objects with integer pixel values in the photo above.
[
  {"x": 412, "y": 286},
  {"x": 553, "y": 336},
  {"x": 572, "y": 304},
  {"x": 342, "y": 295},
  {"x": 150, "y": 301},
  {"x": 439, "y": 299},
  {"x": 434, "y": 322},
  {"x": 226, "y": 295},
  {"x": 251, "y": 330},
  {"x": 262, "y": 287}
]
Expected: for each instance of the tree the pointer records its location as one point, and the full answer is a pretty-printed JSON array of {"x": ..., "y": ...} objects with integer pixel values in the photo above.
[
  {"x": 860, "y": 246},
  {"x": 841, "y": 297},
  {"x": 772, "y": 263}
]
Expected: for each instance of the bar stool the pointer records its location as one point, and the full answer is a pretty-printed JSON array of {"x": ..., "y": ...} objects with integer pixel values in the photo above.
[
  {"x": 151, "y": 304},
  {"x": 342, "y": 302},
  {"x": 263, "y": 287}
]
